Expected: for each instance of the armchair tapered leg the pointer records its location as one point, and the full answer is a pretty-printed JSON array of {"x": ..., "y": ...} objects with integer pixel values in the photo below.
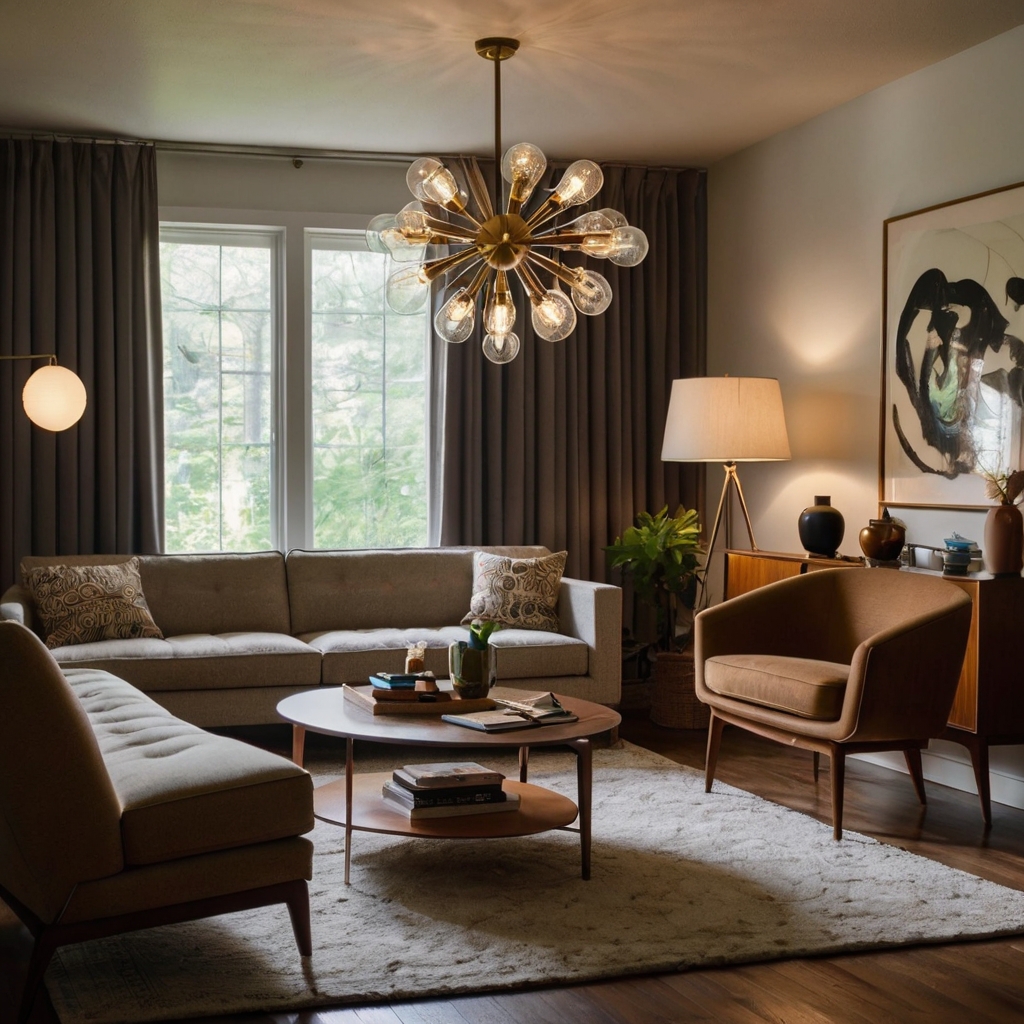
[
  {"x": 42, "y": 954},
  {"x": 298, "y": 911},
  {"x": 838, "y": 775},
  {"x": 913, "y": 756},
  {"x": 816, "y": 760},
  {"x": 715, "y": 728}
]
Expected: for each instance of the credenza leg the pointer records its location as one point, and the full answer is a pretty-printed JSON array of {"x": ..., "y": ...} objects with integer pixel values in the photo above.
[{"x": 979, "y": 760}]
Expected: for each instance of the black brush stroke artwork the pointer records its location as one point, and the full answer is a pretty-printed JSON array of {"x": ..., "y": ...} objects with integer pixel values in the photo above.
[{"x": 943, "y": 387}]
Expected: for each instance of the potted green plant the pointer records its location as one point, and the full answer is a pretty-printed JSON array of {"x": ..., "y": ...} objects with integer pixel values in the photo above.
[
  {"x": 470, "y": 664},
  {"x": 662, "y": 556}
]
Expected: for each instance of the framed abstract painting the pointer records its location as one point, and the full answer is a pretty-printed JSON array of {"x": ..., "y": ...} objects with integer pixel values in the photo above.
[{"x": 952, "y": 405}]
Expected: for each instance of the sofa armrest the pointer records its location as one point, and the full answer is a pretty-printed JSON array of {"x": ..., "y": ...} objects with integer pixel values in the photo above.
[
  {"x": 16, "y": 605},
  {"x": 592, "y": 612}
]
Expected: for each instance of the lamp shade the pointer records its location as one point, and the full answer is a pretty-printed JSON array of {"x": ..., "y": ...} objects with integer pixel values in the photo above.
[
  {"x": 725, "y": 419},
  {"x": 54, "y": 397}
]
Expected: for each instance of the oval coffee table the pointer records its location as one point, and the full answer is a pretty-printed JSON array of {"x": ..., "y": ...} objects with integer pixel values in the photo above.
[{"x": 356, "y": 804}]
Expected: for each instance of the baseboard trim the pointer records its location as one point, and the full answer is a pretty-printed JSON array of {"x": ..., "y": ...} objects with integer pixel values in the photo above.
[{"x": 948, "y": 764}]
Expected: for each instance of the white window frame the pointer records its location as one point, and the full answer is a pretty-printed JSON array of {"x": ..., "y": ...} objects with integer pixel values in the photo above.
[{"x": 256, "y": 237}]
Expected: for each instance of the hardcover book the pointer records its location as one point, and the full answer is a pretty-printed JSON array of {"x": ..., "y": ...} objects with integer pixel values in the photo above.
[
  {"x": 491, "y": 721},
  {"x": 446, "y": 775},
  {"x": 417, "y": 704},
  {"x": 449, "y": 797},
  {"x": 510, "y": 803}
]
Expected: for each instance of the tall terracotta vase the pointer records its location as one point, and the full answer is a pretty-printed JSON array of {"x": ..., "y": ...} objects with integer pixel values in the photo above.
[{"x": 1004, "y": 540}]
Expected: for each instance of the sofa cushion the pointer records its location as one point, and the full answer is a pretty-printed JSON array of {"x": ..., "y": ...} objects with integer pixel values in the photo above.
[
  {"x": 184, "y": 791},
  {"x": 370, "y": 589},
  {"x": 800, "y": 686},
  {"x": 350, "y": 656},
  {"x": 79, "y": 604},
  {"x": 201, "y": 661},
  {"x": 517, "y": 592}
]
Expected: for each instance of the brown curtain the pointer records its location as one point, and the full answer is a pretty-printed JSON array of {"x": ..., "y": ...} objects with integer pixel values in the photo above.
[
  {"x": 79, "y": 277},
  {"x": 562, "y": 447}
]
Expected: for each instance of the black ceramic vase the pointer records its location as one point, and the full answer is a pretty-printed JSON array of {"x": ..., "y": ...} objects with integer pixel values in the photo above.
[{"x": 821, "y": 528}]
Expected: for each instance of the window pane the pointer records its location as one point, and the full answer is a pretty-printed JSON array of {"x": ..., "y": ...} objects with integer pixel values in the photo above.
[
  {"x": 369, "y": 407},
  {"x": 218, "y": 345}
]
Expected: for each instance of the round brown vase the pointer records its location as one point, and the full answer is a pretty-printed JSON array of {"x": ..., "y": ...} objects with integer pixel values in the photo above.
[
  {"x": 1004, "y": 540},
  {"x": 882, "y": 540}
]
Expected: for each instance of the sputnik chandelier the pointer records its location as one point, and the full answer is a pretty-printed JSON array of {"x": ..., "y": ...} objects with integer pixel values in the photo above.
[{"x": 484, "y": 246}]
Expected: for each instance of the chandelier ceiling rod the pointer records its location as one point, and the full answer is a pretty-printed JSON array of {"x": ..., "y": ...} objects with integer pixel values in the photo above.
[{"x": 497, "y": 49}]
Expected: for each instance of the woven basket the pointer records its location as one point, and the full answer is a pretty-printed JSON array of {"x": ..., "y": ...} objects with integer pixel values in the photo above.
[{"x": 674, "y": 702}]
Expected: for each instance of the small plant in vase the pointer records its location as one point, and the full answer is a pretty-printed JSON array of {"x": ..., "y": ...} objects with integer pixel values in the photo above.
[
  {"x": 470, "y": 663},
  {"x": 662, "y": 555},
  {"x": 1004, "y": 525}
]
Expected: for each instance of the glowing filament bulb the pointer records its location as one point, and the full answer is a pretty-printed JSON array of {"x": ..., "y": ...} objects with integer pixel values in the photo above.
[
  {"x": 430, "y": 181},
  {"x": 554, "y": 317},
  {"x": 455, "y": 319},
  {"x": 522, "y": 167},
  {"x": 501, "y": 348},
  {"x": 500, "y": 312},
  {"x": 591, "y": 293},
  {"x": 580, "y": 183}
]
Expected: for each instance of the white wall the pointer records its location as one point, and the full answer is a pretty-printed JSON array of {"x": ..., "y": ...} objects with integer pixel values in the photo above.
[{"x": 795, "y": 287}]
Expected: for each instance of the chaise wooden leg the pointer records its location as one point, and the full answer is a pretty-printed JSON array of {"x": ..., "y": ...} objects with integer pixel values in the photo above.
[
  {"x": 816, "y": 761},
  {"x": 298, "y": 744},
  {"x": 838, "y": 773},
  {"x": 715, "y": 728},
  {"x": 913, "y": 756},
  {"x": 298, "y": 911}
]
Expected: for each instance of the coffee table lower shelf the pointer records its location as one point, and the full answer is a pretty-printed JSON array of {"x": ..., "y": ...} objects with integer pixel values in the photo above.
[{"x": 540, "y": 810}]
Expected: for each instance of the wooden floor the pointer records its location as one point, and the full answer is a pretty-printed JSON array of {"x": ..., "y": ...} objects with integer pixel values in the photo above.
[{"x": 969, "y": 982}]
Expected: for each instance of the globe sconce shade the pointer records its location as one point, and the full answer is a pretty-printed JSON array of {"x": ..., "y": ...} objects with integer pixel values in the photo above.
[{"x": 54, "y": 397}]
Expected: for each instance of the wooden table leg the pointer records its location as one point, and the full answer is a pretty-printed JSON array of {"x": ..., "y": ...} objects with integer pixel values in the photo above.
[
  {"x": 584, "y": 790},
  {"x": 524, "y": 763},
  {"x": 298, "y": 744},
  {"x": 349, "y": 765}
]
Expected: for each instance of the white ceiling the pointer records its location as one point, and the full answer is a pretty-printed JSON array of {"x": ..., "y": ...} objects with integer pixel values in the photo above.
[{"x": 679, "y": 82}]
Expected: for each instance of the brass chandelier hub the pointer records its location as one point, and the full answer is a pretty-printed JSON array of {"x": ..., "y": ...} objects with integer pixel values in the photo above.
[{"x": 504, "y": 240}]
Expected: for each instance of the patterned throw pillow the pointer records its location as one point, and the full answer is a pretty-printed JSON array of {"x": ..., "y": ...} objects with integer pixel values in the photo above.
[
  {"x": 517, "y": 592},
  {"x": 79, "y": 604}
]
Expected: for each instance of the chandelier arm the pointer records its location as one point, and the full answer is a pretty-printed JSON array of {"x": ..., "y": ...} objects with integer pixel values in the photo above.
[
  {"x": 568, "y": 239},
  {"x": 449, "y": 230},
  {"x": 564, "y": 274},
  {"x": 479, "y": 192},
  {"x": 435, "y": 268},
  {"x": 531, "y": 282},
  {"x": 548, "y": 210}
]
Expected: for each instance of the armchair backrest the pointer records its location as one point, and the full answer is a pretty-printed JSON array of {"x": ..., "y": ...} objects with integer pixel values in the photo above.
[{"x": 60, "y": 819}]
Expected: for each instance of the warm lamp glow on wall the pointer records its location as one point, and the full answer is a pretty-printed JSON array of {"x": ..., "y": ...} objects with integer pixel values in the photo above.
[
  {"x": 727, "y": 420},
  {"x": 54, "y": 397}
]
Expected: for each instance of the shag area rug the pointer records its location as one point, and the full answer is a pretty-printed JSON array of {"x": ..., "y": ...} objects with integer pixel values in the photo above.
[{"x": 681, "y": 879}]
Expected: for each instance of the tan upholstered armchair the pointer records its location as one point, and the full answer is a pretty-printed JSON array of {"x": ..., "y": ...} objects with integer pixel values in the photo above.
[
  {"x": 838, "y": 661},
  {"x": 114, "y": 815}
]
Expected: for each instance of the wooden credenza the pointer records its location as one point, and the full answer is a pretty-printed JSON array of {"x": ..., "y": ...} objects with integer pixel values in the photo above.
[{"x": 988, "y": 709}]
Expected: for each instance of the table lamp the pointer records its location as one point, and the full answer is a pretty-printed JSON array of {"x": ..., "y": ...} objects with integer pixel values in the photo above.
[{"x": 727, "y": 420}]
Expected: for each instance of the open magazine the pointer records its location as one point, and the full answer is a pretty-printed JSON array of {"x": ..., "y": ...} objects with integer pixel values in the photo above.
[{"x": 543, "y": 708}]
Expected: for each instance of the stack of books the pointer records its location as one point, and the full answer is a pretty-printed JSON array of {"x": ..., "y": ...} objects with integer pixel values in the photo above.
[
  {"x": 404, "y": 699},
  {"x": 447, "y": 789}
]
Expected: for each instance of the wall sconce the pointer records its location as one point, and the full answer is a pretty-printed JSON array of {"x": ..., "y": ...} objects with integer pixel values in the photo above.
[{"x": 54, "y": 397}]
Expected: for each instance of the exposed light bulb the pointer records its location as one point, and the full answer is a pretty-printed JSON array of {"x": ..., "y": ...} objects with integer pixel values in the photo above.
[
  {"x": 522, "y": 167},
  {"x": 400, "y": 248},
  {"x": 580, "y": 183},
  {"x": 628, "y": 246},
  {"x": 592, "y": 220},
  {"x": 554, "y": 317},
  {"x": 591, "y": 292},
  {"x": 614, "y": 218},
  {"x": 407, "y": 289},
  {"x": 375, "y": 230},
  {"x": 501, "y": 348},
  {"x": 429, "y": 180},
  {"x": 500, "y": 311},
  {"x": 412, "y": 220},
  {"x": 455, "y": 319}
]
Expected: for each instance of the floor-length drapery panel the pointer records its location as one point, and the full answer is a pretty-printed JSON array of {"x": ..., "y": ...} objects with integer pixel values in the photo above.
[
  {"x": 562, "y": 447},
  {"x": 80, "y": 277}
]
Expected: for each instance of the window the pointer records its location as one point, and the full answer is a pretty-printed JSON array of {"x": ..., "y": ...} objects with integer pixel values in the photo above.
[
  {"x": 219, "y": 340},
  {"x": 369, "y": 403},
  {"x": 278, "y": 437}
]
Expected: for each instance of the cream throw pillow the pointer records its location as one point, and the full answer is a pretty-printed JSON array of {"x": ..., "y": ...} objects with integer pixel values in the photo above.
[
  {"x": 517, "y": 592},
  {"x": 79, "y": 604}
]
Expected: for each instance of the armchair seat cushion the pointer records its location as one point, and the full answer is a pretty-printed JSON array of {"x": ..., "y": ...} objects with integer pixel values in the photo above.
[
  {"x": 183, "y": 791},
  {"x": 800, "y": 686}
]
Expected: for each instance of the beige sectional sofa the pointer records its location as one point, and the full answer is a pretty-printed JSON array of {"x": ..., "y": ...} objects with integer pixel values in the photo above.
[{"x": 242, "y": 631}]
